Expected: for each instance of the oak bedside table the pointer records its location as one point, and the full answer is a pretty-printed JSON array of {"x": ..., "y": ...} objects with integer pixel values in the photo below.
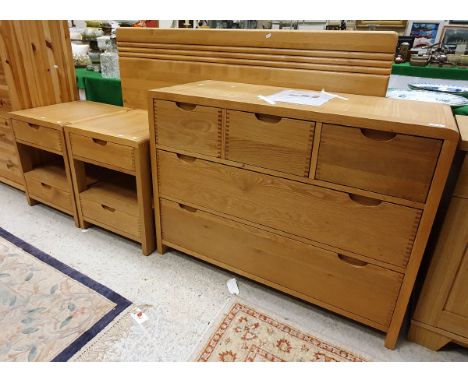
[
  {"x": 114, "y": 149},
  {"x": 42, "y": 151}
]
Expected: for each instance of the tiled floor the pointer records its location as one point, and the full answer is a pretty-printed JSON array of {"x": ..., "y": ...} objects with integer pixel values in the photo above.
[{"x": 185, "y": 295}]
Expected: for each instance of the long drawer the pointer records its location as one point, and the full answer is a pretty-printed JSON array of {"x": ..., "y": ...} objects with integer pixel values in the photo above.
[
  {"x": 365, "y": 290},
  {"x": 373, "y": 228},
  {"x": 388, "y": 163}
]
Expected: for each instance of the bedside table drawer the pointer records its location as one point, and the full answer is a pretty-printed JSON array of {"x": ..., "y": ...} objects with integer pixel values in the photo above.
[
  {"x": 48, "y": 193},
  {"x": 103, "y": 152},
  {"x": 388, "y": 163},
  {"x": 272, "y": 142},
  {"x": 112, "y": 206},
  {"x": 188, "y": 127},
  {"x": 38, "y": 135}
]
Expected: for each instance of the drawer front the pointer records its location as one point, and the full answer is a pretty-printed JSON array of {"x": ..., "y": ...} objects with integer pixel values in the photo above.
[
  {"x": 188, "y": 127},
  {"x": 377, "y": 229},
  {"x": 42, "y": 136},
  {"x": 461, "y": 189},
  {"x": 10, "y": 167},
  {"x": 364, "y": 289},
  {"x": 7, "y": 138},
  {"x": 47, "y": 193},
  {"x": 392, "y": 164},
  {"x": 115, "y": 218},
  {"x": 98, "y": 150},
  {"x": 271, "y": 142}
]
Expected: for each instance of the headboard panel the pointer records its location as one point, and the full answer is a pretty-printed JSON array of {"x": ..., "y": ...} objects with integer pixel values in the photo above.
[{"x": 349, "y": 62}]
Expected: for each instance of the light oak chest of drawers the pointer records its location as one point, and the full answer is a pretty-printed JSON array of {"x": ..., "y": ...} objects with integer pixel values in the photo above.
[{"x": 332, "y": 204}]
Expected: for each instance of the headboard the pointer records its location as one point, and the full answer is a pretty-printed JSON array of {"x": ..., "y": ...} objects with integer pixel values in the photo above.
[{"x": 337, "y": 61}]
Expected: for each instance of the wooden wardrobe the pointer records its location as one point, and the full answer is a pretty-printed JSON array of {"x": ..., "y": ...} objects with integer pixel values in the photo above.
[{"x": 36, "y": 69}]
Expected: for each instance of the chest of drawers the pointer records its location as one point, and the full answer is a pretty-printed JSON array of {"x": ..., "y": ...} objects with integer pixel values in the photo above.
[{"x": 332, "y": 204}]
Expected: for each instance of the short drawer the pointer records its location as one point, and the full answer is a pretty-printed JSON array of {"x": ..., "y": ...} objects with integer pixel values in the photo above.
[
  {"x": 113, "y": 206},
  {"x": 48, "y": 193},
  {"x": 373, "y": 228},
  {"x": 44, "y": 137},
  {"x": 363, "y": 289},
  {"x": 102, "y": 151},
  {"x": 388, "y": 163},
  {"x": 272, "y": 142},
  {"x": 188, "y": 127}
]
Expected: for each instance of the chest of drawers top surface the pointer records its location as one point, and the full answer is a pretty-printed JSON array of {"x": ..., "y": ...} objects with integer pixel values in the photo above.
[
  {"x": 401, "y": 116},
  {"x": 58, "y": 115}
]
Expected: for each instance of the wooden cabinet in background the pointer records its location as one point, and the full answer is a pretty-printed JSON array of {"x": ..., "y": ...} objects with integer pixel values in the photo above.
[
  {"x": 36, "y": 69},
  {"x": 441, "y": 314},
  {"x": 264, "y": 190}
]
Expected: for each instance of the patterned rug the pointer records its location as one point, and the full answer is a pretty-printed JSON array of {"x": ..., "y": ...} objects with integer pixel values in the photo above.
[
  {"x": 247, "y": 335},
  {"x": 48, "y": 311}
]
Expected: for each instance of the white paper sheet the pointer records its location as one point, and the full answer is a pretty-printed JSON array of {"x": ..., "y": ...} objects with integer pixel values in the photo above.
[{"x": 300, "y": 97}]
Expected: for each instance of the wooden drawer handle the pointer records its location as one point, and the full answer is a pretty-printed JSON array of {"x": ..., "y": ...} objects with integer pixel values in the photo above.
[
  {"x": 352, "y": 261},
  {"x": 10, "y": 164},
  {"x": 186, "y": 106},
  {"x": 364, "y": 200},
  {"x": 99, "y": 141},
  {"x": 107, "y": 208},
  {"x": 187, "y": 208},
  {"x": 268, "y": 118},
  {"x": 33, "y": 125},
  {"x": 2, "y": 135},
  {"x": 376, "y": 135},
  {"x": 186, "y": 158},
  {"x": 45, "y": 185}
]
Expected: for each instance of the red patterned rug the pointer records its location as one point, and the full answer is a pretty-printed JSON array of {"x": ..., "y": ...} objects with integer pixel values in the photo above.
[{"x": 245, "y": 334}]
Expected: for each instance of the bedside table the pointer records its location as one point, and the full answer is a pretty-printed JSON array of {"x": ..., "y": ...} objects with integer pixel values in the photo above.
[
  {"x": 42, "y": 150},
  {"x": 114, "y": 150}
]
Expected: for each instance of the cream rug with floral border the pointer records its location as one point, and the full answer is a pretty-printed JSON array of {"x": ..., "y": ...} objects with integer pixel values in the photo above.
[{"x": 247, "y": 334}]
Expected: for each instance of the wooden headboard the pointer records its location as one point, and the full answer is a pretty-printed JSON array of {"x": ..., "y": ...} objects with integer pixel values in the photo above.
[{"x": 339, "y": 61}]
